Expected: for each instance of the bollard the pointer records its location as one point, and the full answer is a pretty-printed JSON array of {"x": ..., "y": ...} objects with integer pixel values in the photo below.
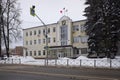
[
  {"x": 19, "y": 61},
  {"x": 12, "y": 61},
  {"x": 67, "y": 62},
  {"x": 110, "y": 63},
  {"x": 80, "y": 62},
  {"x": 55, "y": 62},
  {"x": 95, "y": 63}
]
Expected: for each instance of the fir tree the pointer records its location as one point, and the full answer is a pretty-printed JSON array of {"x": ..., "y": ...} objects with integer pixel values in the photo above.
[{"x": 103, "y": 27}]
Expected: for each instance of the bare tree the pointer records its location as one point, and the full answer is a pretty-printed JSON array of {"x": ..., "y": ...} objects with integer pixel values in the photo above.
[{"x": 11, "y": 23}]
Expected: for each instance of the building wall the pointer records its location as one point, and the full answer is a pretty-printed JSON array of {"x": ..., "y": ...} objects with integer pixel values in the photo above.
[{"x": 37, "y": 47}]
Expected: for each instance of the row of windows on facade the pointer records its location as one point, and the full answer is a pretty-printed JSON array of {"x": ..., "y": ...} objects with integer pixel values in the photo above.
[
  {"x": 75, "y": 28},
  {"x": 39, "y": 41},
  {"x": 39, "y": 53},
  {"x": 35, "y": 53},
  {"x": 82, "y": 39},
  {"x": 78, "y": 28},
  {"x": 39, "y": 31}
]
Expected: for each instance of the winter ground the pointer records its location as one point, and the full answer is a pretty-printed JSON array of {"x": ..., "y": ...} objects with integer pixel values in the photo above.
[{"x": 81, "y": 61}]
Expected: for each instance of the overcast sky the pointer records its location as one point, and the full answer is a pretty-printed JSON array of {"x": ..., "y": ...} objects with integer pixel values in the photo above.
[{"x": 49, "y": 12}]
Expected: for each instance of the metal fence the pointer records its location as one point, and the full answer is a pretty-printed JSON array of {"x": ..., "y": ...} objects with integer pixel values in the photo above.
[
  {"x": 10, "y": 61},
  {"x": 94, "y": 63},
  {"x": 85, "y": 63}
]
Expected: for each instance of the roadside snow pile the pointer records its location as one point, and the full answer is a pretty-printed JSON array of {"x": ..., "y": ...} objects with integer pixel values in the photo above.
[
  {"x": 82, "y": 57},
  {"x": 64, "y": 58},
  {"x": 22, "y": 59},
  {"x": 27, "y": 59}
]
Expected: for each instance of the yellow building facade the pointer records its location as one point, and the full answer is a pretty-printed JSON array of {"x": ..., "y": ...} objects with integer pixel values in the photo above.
[{"x": 64, "y": 39}]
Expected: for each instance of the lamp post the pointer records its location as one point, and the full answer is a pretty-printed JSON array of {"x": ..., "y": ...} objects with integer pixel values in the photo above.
[{"x": 32, "y": 12}]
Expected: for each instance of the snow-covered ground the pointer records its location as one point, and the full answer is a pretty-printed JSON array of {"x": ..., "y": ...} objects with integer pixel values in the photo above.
[{"x": 80, "y": 61}]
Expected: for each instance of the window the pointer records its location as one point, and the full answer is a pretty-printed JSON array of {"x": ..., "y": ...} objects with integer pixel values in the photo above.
[
  {"x": 44, "y": 41},
  {"x": 39, "y": 31},
  {"x": 76, "y": 28},
  {"x": 39, "y": 41},
  {"x": 64, "y": 35},
  {"x": 48, "y": 40},
  {"x": 26, "y": 42},
  {"x": 64, "y": 22},
  {"x": 34, "y": 41},
  {"x": 82, "y": 28},
  {"x": 30, "y": 33},
  {"x": 30, "y": 53},
  {"x": 43, "y": 52},
  {"x": 34, "y": 53},
  {"x": 83, "y": 50},
  {"x": 76, "y": 39},
  {"x": 84, "y": 39},
  {"x": 54, "y": 29},
  {"x": 26, "y": 33},
  {"x": 39, "y": 53},
  {"x": 30, "y": 42},
  {"x": 26, "y": 53},
  {"x": 54, "y": 40},
  {"x": 43, "y": 31},
  {"x": 48, "y": 30},
  {"x": 34, "y": 32}
]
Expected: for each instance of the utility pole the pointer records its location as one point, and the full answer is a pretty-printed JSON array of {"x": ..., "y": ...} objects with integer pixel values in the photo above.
[{"x": 32, "y": 12}]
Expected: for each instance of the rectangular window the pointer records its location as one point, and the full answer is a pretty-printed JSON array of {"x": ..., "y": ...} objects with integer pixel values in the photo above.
[
  {"x": 76, "y": 28},
  {"x": 54, "y": 40},
  {"x": 30, "y": 33},
  {"x": 44, "y": 41},
  {"x": 30, "y": 53},
  {"x": 43, "y": 52},
  {"x": 34, "y": 53},
  {"x": 34, "y": 32},
  {"x": 39, "y": 53},
  {"x": 48, "y": 30},
  {"x": 26, "y": 33},
  {"x": 54, "y": 29},
  {"x": 39, "y": 31},
  {"x": 26, "y": 53},
  {"x": 43, "y": 31},
  {"x": 48, "y": 40},
  {"x": 39, "y": 41},
  {"x": 34, "y": 41},
  {"x": 83, "y": 50},
  {"x": 84, "y": 39},
  {"x": 76, "y": 39},
  {"x": 82, "y": 28},
  {"x": 30, "y": 42},
  {"x": 64, "y": 35}
]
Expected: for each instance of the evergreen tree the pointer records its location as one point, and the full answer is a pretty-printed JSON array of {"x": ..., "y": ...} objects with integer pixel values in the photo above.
[{"x": 102, "y": 26}]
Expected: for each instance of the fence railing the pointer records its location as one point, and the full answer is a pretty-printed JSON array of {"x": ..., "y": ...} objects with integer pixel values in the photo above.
[
  {"x": 10, "y": 61},
  {"x": 94, "y": 63}
]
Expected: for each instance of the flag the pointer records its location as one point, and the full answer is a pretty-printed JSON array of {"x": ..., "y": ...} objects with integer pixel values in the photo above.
[
  {"x": 66, "y": 10},
  {"x": 61, "y": 11}
]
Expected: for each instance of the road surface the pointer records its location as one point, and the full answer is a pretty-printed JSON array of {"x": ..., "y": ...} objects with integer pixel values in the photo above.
[{"x": 27, "y": 72}]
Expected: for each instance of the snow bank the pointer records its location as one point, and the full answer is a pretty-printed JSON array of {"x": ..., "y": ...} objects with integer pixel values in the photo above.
[
  {"x": 82, "y": 57},
  {"x": 64, "y": 58},
  {"x": 23, "y": 59}
]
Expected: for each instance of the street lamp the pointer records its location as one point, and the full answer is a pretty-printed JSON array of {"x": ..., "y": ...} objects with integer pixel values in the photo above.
[{"x": 32, "y": 12}]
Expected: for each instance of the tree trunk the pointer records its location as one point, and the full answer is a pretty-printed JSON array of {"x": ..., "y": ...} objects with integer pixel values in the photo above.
[
  {"x": 0, "y": 27},
  {"x": 7, "y": 48}
]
